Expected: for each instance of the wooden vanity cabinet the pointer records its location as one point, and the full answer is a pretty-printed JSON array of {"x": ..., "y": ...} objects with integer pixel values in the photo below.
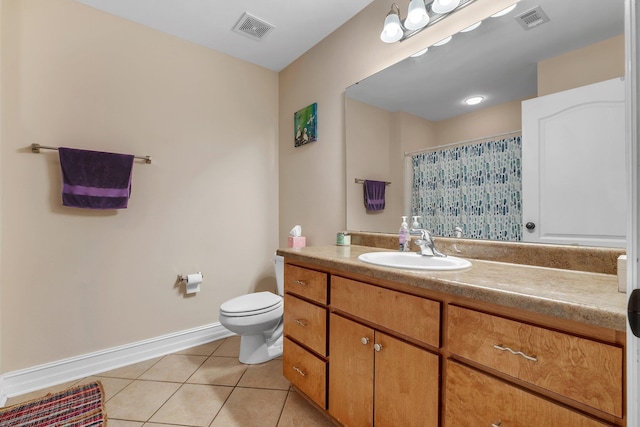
[
  {"x": 377, "y": 355},
  {"x": 376, "y": 379},
  {"x": 305, "y": 331}
]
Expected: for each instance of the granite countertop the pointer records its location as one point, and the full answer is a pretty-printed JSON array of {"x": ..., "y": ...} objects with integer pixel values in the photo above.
[{"x": 590, "y": 298}]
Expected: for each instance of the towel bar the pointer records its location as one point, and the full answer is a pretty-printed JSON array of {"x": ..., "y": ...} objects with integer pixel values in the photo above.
[
  {"x": 361, "y": 181},
  {"x": 35, "y": 148}
]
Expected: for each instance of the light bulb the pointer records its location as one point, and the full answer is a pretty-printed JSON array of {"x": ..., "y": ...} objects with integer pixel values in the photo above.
[
  {"x": 444, "y": 6},
  {"x": 392, "y": 32},
  {"x": 417, "y": 16}
]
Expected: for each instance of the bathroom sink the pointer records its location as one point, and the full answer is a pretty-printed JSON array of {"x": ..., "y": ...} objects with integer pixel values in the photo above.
[{"x": 414, "y": 261}]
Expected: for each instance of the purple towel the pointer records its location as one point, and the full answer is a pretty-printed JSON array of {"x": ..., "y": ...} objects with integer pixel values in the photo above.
[
  {"x": 374, "y": 195},
  {"x": 95, "y": 180}
]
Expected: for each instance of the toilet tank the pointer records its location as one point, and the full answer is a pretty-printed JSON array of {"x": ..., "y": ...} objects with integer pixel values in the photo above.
[{"x": 279, "y": 265}]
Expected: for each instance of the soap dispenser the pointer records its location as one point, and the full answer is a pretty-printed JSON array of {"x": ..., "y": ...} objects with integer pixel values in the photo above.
[
  {"x": 404, "y": 238},
  {"x": 415, "y": 224}
]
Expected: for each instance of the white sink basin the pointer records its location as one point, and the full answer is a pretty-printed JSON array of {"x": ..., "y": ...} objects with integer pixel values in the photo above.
[{"x": 414, "y": 261}]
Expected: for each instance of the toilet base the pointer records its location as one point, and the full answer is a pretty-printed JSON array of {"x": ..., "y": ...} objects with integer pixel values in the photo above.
[{"x": 254, "y": 349}]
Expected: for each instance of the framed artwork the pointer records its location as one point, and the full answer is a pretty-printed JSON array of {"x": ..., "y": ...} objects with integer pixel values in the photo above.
[{"x": 305, "y": 123}]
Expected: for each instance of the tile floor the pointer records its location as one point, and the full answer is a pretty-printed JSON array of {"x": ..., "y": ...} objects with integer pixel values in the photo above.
[{"x": 201, "y": 386}]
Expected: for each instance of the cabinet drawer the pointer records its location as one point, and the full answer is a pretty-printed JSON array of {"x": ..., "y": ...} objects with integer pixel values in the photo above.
[
  {"x": 306, "y": 323},
  {"x": 307, "y": 283},
  {"x": 587, "y": 371},
  {"x": 305, "y": 371},
  {"x": 416, "y": 317},
  {"x": 475, "y": 399}
]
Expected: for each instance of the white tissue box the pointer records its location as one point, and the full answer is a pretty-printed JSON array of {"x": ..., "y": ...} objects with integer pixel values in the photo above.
[{"x": 297, "y": 241}]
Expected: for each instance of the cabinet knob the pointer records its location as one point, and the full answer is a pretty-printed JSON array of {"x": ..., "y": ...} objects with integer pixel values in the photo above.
[
  {"x": 364, "y": 340},
  {"x": 498, "y": 424},
  {"x": 530, "y": 225},
  {"x": 377, "y": 347}
]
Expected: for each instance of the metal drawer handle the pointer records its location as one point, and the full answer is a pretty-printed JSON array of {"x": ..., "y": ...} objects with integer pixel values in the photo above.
[
  {"x": 298, "y": 370},
  {"x": 300, "y": 282},
  {"x": 517, "y": 353},
  {"x": 498, "y": 424},
  {"x": 300, "y": 322}
]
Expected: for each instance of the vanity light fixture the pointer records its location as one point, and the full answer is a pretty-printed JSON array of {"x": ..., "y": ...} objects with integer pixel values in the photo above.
[
  {"x": 473, "y": 100},
  {"x": 420, "y": 14}
]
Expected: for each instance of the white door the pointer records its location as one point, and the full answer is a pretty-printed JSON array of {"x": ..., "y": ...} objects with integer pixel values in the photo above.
[
  {"x": 573, "y": 166},
  {"x": 632, "y": 41}
]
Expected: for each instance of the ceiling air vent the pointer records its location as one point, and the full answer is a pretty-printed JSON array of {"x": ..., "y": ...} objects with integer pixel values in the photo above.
[
  {"x": 253, "y": 27},
  {"x": 532, "y": 18}
]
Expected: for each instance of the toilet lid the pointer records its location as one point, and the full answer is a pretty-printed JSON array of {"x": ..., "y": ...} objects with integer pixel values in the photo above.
[{"x": 251, "y": 304}]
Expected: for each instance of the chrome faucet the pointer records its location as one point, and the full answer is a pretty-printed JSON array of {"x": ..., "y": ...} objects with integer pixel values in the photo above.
[{"x": 427, "y": 245}]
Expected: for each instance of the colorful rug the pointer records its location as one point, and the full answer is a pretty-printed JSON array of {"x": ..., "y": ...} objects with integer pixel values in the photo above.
[{"x": 79, "y": 406}]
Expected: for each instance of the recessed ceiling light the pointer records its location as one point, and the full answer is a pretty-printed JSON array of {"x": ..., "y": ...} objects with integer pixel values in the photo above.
[
  {"x": 473, "y": 100},
  {"x": 420, "y": 52},
  {"x": 471, "y": 27},
  {"x": 504, "y": 11},
  {"x": 443, "y": 41}
]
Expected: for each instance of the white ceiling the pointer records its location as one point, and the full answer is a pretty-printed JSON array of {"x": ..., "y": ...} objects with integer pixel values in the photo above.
[{"x": 299, "y": 24}]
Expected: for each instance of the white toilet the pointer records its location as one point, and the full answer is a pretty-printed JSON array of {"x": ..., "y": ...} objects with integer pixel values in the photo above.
[{"x": 257, "y": 318}]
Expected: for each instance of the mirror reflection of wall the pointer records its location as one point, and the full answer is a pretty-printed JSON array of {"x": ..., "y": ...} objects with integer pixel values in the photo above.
[{"x": 384, "y": 121}]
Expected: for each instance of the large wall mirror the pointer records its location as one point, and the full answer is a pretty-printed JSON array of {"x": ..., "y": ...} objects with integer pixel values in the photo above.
[{"x": 417, "y": 104}]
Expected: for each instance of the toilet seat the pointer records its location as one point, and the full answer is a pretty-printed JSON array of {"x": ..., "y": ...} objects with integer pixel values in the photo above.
[{"x": 251, "y": 304}]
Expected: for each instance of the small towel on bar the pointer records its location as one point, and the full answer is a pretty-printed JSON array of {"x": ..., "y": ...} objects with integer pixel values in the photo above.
[
  {"x": 94, "y": 179},
  {"x": 374, "y": 195}
]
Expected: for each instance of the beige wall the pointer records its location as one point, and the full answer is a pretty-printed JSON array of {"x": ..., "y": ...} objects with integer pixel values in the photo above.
[
  {"x": 378, "y": 140},
  {"x": 563, "y": 72},
  {"x": 312, "y": 177},
  {"x": 370, "y": 129},
  {"x": 76, "y": 281}
]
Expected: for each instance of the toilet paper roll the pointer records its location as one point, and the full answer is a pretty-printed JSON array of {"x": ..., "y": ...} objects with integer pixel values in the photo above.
[{"x": 193, "y": 283}]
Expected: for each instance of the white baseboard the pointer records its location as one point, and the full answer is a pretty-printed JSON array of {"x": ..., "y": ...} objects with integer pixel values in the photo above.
[{"x": 42, "y": 376}]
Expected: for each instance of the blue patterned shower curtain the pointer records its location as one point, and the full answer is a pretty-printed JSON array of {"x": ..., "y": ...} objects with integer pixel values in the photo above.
[{"x": 476, "y": 187}]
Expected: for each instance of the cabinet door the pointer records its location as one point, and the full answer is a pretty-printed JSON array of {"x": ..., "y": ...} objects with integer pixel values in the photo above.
[
  {"x": 350, "y": 372},
  {"x": 406, "y": 384},
  {"x": 476, "y": 399}
]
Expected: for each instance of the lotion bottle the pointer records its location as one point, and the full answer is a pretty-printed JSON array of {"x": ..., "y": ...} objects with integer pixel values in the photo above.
[
  {"x": 404, "y": 238},
  {"x": 415, "y": 225}
]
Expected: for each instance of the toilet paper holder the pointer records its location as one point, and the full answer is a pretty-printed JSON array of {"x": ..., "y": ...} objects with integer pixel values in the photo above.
[{"x": 183, "y": 277}]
